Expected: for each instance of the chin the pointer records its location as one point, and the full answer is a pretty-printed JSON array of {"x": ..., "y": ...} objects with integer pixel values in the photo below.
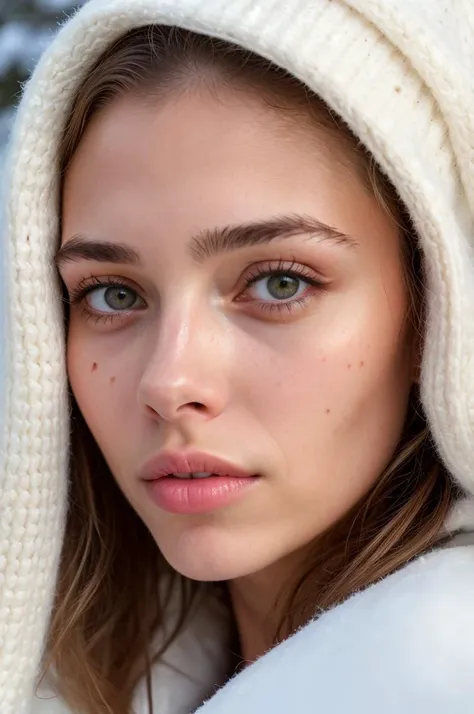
[{"x": 212, "y": 554}]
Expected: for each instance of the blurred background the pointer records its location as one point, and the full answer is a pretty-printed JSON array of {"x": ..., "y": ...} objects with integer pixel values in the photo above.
[{"x": 26, "y": 28}]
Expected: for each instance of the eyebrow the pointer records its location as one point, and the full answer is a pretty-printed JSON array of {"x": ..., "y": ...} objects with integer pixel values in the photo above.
[{"x": 209, "y": 243}]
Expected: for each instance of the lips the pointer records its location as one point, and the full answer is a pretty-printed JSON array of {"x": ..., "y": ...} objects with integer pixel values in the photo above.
[{"x": 169, "y": 463}]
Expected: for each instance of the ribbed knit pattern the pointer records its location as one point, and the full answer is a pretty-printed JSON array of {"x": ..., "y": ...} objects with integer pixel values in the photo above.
[{"x": 399, "y": 72}]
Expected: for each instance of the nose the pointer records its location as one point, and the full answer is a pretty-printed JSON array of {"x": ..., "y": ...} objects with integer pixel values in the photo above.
[{"x": 185, "y": 376}]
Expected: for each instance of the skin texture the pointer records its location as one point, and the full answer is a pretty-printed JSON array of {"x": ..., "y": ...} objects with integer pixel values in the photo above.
[{"x": 312, "y": 398}]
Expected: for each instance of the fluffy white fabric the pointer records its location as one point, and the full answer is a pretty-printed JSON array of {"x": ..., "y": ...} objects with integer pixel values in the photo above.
[
  {"x": 403, "y": 646},
  {"x": 400, "y": 72}
]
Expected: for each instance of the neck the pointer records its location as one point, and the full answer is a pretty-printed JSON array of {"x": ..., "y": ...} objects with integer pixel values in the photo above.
[
  {"x": 255, "y": 617},
  {"x": 258, "y": 608}
]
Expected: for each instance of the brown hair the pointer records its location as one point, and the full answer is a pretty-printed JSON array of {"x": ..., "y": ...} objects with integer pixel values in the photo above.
[{"x": 108, "y": 606}]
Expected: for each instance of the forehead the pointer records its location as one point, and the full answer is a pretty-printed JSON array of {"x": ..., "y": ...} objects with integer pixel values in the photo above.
[
  {"x": 233, "y": 121},
  {"x": 193, "y": 162}
]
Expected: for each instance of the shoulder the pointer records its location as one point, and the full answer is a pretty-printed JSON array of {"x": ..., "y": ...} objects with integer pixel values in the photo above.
[
  {"x": 424, "y": 614},
  {"x": 405, "y": 644},
  {"x": 194, "y": 665}
]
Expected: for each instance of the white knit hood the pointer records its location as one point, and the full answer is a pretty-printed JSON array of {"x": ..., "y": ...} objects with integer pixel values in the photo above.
[{"x": 400, "y": 72}]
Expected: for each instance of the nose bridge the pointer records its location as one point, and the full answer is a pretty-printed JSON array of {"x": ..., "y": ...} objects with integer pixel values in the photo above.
[
  {"x": 178, "y": 328},
  {"x": 186, "y": 365}
]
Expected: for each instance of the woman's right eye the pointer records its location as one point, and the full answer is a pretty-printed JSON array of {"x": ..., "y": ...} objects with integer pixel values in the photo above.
[
  {"x": 112, "y": 299},
  {"x": 105, "y": 299}
]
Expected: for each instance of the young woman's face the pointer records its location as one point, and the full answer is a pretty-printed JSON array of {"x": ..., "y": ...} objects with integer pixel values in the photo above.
[{"x": 254, "y": 312}]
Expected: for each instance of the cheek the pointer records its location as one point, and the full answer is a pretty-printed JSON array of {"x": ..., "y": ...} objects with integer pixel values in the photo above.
[
  {"x": 327, "y": 374},
  {"x": 334, "y": 397},
  {"x": 96, "y": 384}
]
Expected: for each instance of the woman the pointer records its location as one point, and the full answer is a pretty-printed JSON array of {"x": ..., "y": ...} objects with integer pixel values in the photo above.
[{"x": 239, "y": 413}]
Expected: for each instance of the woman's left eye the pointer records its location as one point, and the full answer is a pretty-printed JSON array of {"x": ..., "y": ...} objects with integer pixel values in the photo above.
[
  {"x": 280, "y": 286},
  {"x": 277, "y": 289}
]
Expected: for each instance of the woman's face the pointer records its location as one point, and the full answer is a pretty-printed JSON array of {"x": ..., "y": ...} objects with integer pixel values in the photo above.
[{"x": 246, "y": 305}]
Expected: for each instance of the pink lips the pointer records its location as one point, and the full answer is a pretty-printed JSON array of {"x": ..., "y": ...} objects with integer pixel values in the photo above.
[{"x": 188, "y": 496}]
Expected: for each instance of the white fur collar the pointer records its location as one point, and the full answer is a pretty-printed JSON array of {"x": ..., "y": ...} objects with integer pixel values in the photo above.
[{"x": 404, "y": 646}]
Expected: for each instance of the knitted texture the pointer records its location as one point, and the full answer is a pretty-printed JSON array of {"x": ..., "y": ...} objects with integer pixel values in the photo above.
[{"x": 400, "y": 72}]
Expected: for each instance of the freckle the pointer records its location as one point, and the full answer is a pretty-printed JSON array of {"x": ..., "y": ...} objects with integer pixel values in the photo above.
[
  {"x": 362, "y": 363},
  {"x": 349, "y": 366},
  {"x": 94, "y": 366},
  {"x": 112, "y": 380},
  {"x": 398, "y": 89},
  {"x": 328, "y": 411},
  {"x": 324, "y": 359}
]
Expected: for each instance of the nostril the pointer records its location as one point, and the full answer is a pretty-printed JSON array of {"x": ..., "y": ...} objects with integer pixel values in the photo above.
[
  {"x": 169, "y": 412},
  {"x": 197, "y": 406}
]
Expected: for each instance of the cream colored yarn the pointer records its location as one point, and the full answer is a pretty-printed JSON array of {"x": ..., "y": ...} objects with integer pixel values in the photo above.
[{"x": 400, "y": 72}]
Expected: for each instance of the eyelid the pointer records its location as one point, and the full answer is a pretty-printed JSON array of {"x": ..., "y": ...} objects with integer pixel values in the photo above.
[
  {"x": 267, "y": 268},
  {"x": 257, "y": 271},
  {"x": 77, "y": 297},
  {"x": 95, "y": 282},
  {"x": 275, "y": 309}
]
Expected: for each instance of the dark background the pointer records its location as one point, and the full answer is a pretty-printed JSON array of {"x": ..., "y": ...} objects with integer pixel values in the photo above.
[{"x": 26, "y": 28}]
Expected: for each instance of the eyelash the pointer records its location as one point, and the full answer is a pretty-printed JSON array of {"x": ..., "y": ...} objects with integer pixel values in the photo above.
[
  {"x": 78, "y": 295},
  {"x": 294, "y": 270}
]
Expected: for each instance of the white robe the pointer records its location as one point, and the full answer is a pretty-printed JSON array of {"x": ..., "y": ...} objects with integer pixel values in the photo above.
[{"x": 403, "y": 646}]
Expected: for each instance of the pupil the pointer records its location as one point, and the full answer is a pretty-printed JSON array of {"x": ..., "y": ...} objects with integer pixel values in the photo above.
[
  {"x": 282, "y": 286},
  {"x": 119, "y": 298}
]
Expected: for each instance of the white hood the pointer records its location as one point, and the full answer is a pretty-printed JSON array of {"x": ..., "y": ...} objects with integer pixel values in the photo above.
[{"x": 400, "y": 73}]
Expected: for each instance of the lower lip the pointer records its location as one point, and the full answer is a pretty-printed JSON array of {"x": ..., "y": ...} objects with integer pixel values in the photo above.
[{"x": 187, "y": 496}]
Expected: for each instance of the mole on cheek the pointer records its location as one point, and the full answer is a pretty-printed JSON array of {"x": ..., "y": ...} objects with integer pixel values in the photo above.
[
  {"x": 94, "y": 366},
  {"x": 112, "y": 380},
  {"x": 328, "y": 411}
]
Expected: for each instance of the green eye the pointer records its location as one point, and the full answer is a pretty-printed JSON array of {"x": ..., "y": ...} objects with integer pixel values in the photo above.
[
  {"x": 282, "y": 287},
  {"x": 119, "y": 298}
]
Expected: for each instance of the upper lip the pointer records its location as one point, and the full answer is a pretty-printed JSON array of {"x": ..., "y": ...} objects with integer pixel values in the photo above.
[{"x": 181, "y": 462}]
